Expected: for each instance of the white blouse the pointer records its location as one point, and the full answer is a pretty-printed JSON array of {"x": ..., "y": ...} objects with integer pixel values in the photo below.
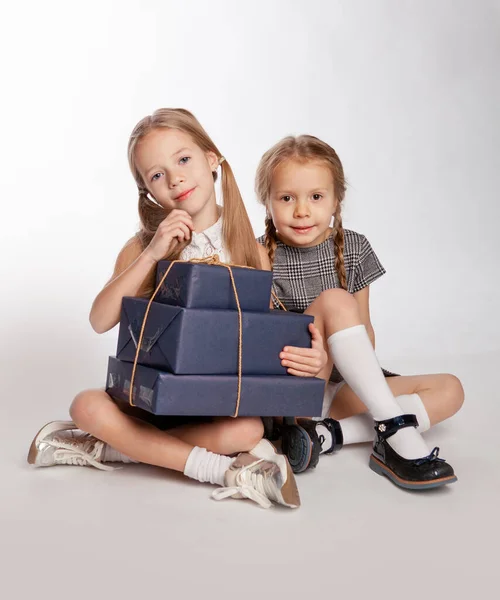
[{"x": 205, "y": 243}]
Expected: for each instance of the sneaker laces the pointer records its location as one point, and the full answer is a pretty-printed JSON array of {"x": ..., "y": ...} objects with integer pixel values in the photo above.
[
  {"x": 82, "y": 451},
  {"x": 252, "y": 482}
]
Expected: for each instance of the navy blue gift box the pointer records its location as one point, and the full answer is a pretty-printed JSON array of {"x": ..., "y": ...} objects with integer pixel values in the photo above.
[
  {"x": 194, "y": 285},
  {"x": 189, "y": 341},
  {"x": 163, "y": 393}
]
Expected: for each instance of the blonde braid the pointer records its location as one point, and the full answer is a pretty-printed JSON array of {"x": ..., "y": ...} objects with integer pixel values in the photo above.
[
  {"x": 270, "y": 240},
  {"x": 338, "y": 242}
]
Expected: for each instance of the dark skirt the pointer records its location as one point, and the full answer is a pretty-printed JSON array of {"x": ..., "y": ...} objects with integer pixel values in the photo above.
[{"x": 163, "y": 422}]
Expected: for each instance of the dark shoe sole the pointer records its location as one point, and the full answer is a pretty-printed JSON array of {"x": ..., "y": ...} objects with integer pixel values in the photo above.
[
  {"x": 381, "y": 469},
  {"x": 298, "y": 448}
]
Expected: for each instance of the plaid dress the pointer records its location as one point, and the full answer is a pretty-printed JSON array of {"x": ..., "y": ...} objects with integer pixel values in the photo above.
[{"x": 301, "y": 274}]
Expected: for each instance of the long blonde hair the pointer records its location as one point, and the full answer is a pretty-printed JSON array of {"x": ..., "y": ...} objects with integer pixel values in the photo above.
[
  {"x": 303, "y": 148},
  {"x": 237, "y": 232}
]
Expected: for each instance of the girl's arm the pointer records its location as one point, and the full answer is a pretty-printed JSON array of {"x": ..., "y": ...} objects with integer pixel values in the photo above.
[
  {"x": 131, "y": 269},
  {"x": 134, "y": 265},
  {"x": 363, "y": 299}
]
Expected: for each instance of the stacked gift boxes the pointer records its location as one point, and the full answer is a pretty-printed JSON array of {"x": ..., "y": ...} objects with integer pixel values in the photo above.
[{"x": 188, "y": 358}]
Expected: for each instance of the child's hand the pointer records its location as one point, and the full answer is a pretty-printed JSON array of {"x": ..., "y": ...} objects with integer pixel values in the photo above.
[
  {"x": 306, "y": 362},
  {"x": 178, "y": 225}
]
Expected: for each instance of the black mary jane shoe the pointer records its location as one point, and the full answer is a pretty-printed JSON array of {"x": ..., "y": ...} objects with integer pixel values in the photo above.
[
  {"x": 335, "y": 430},
  {"x": 417, "y": 474},
  {"x": 302, "y": 445}
]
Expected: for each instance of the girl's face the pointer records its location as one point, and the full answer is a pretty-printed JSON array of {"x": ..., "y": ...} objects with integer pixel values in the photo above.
[
  {"x": 176, "y": 171},
  {"x": 302, "y": 202}
]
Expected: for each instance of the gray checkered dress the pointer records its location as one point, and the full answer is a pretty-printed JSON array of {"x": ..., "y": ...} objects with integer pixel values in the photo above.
[{"x": 301, "y": 274}]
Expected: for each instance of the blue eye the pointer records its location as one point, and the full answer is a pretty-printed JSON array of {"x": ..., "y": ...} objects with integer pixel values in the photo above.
[
  {"x": 156, "y": 176},
  {"x": 184, "y": 160},
  {"x": 317, "y": 196}
]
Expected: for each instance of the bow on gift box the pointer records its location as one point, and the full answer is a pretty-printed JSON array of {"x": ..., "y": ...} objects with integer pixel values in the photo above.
[{"x": 210, "y": 260}]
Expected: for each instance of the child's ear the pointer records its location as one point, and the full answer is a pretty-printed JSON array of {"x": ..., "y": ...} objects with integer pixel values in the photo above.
[{"x": 213, "y": 161}]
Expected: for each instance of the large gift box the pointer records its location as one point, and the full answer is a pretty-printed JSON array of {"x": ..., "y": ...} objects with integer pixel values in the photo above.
[
  {"x": 195, "y": 285},
  {"x": 163, "y": 393},
  {"x": 188, "y": 341}
]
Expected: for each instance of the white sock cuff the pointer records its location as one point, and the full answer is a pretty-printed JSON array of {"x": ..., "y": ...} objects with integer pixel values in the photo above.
[
  {"x": 343, "y": 333},
  {"x": 191, "y": 467},
  {"x": 412, "y": 404},
  {"x": 204, "y": 466}
]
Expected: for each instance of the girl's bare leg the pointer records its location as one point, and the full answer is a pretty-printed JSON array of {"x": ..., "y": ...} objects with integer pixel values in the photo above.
[
  {"x": 258, "y": 473},
  {"x": 441, "y": 394},
  {"x": 94, "y": 412}
]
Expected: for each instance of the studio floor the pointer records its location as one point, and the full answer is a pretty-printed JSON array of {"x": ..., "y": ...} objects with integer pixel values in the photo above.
[{"x": 140, "y": 532}]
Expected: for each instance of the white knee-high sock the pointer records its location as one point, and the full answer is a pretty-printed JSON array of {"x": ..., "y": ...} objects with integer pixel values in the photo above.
[
  {"x": 206, "y": 466},
  {"x": 412, "y": 404},
  {"x": 355, "y": 358}
]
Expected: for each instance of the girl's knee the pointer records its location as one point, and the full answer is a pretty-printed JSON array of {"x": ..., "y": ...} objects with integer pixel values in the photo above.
[
  {"x": 240, "y": 435},
  {"x": 337, "y": 307},
  {"x": 253, "y": 431},
  {"x": 86, "y": 408},
  {"x": 338, "y": 299},
  {"x": 453, "y": 393}
]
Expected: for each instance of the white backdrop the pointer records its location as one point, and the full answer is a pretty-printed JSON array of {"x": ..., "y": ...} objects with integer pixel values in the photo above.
[{"x": 406, "y": 91}]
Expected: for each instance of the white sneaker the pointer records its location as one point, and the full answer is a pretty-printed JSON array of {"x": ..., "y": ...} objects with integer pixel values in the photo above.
[
  {"x": 261, "y": 475},
  {"x": 62, "y": 443}
]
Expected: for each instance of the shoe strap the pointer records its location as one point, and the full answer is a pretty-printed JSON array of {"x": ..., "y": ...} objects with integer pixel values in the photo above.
[
  {"x": 335, "y": 430},
  {"x": 386, "y": 429}
]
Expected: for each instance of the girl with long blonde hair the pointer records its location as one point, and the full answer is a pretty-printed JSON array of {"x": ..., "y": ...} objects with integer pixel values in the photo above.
[{"x": 175, "y": 164}]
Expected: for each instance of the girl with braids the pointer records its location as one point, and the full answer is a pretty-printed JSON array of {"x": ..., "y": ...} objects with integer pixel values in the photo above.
[
  {"x": 174, "y": 163},
  {"x": 326, "y": 272}
]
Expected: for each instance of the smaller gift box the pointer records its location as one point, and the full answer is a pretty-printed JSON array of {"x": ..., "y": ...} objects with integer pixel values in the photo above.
[{"x": 198, "y": 285}]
